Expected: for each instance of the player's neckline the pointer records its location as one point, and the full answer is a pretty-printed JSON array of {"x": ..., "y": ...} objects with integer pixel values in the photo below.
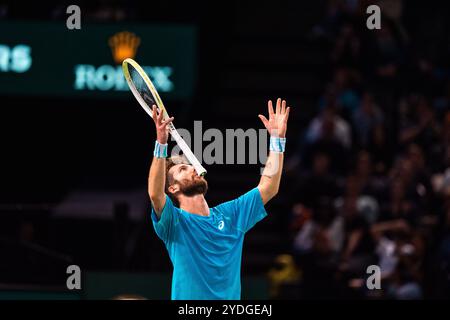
[{"x": 197, "y": 215}]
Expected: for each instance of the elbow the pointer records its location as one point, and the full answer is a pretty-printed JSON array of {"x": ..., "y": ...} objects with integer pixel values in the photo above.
[
  {"x": 268, "y": 192},
  {"x": 273, "y": 193},
  {"x": 269, "y": 196},
  {"x": 273, "y": 189},
  {"x": 153, "y": 195},
  {"x": 157, "y": 201}
]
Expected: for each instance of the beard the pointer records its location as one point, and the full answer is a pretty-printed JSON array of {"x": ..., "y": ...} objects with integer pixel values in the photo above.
[{"x": 197, "y": 185}]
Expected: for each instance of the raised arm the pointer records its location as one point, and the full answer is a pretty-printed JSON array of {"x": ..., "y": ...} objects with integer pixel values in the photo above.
[
  {"x": 157, "y": 175},
  {"x": 276, "y": 125}
]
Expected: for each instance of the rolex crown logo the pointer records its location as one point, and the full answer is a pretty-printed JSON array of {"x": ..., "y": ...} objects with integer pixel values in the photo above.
[{"x": 124, "y": 45}]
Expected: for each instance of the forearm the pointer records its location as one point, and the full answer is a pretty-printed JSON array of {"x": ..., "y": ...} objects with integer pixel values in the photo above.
[
  {"x": 156, "y": 183},
  {"x": 270, "y": 179},
  {"x": 271, "y": 175}
]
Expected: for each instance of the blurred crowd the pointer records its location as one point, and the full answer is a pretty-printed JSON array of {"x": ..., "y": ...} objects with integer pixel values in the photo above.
[{"x": 372, "y": 172}]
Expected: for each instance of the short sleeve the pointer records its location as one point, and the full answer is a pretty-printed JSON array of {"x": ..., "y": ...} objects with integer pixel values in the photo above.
[
  {"x": 165, "y": 225},
  {"x": 246, "y": 211}
]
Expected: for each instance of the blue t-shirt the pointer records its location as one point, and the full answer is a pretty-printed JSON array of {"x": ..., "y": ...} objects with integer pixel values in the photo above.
[{"x": 206, "y": 250}]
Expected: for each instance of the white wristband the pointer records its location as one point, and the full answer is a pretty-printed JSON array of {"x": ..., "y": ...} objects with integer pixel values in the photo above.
[
  {"x": 277, "y": 144},
  {"x": 160, "y": 150}
]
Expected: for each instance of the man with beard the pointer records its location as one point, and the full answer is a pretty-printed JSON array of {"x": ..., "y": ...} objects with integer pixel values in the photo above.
[{"x": 205, "y": 244}]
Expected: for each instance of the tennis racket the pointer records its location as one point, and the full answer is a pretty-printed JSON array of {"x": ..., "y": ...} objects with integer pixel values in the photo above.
[{"x": 147, "y": 96}]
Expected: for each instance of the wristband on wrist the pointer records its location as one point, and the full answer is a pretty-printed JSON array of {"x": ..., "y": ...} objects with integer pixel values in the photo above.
[
  {"x": 277, "y": 144},
  {"x": 160, "y": 150}
]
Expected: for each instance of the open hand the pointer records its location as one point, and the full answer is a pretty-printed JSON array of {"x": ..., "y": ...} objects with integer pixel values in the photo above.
[{"x": 277, "y": 122}]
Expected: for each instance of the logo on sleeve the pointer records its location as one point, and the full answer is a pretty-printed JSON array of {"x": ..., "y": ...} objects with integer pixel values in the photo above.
[{"x": 221, "y": 225}]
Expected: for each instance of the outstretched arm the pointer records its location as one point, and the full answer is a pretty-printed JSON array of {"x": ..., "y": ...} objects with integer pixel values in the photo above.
[
  {"x": 157, "y": 175},
  {"x": 276, "y": 125}
]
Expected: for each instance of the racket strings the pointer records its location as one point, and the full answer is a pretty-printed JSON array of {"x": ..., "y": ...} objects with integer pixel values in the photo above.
[{"x": 141, "y": 87}]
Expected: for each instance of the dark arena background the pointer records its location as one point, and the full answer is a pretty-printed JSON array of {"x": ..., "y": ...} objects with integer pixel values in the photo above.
[{"x": 366, "y": 179}]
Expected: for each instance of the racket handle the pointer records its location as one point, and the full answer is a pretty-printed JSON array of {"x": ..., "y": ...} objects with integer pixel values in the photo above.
[{"x": 187, "y": 152}]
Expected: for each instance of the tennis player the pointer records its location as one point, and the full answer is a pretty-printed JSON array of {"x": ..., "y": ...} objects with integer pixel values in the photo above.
[{"x": 205, "y": 244}]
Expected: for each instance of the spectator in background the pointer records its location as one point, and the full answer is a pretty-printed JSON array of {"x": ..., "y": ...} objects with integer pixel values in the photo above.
[
  {"x": 406, "y": 281},
  {"x": 347, "y": 47},
  {"x": 342, "y": 93},
  {"x": 421, "y": 126},
  {"x": 358, "y": 246},
  {"x": 425, "y": 76},
  {"x": 417, "y": 182},
  {"x": 365, "y": 118},
  {"x": 386, "y": 53},
  {"x": 358, "y": 188},
  {"x": 330, "y": 134},
  {"x": 380, "y": 149},
  {"x": 439, "y": 153},
  {"x": 318, "y": 183},
  {"x": 404, "y": 286},
  {"x": 422, "y": 174},
  {"x": 329, "y": 98},
  {"x": 329, "y": 125},
  {"x": 415, "y": 154},
  {"x": 371, "y": 184},
  {"x": 316, "y": 249},
  {"x": 401, "y": 252},
  {"x": 393, "y": 10},
  {"x": 398, "y": 206},
  {"x": 333, "y": 17}
]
